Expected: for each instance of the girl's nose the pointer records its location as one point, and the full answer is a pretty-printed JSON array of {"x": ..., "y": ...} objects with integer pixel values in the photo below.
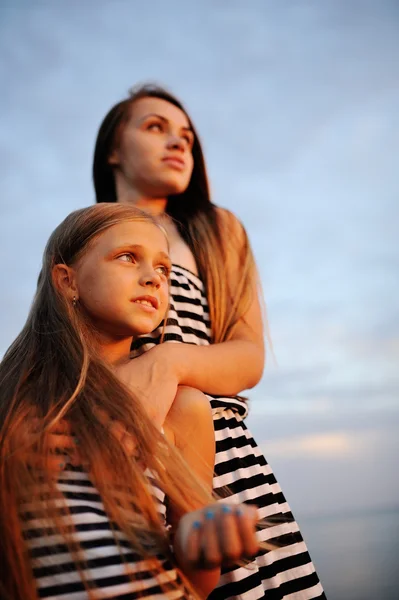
[
  {"x": 151, "y": 279},
  {"x": 175, "y": 143}
]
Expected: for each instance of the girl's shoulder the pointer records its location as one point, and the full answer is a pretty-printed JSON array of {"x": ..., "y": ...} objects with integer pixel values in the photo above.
[
  {"x": 229, "y": 221},
  {"x": 232, "y": 231},
  {"x": 226, "y": 216}
]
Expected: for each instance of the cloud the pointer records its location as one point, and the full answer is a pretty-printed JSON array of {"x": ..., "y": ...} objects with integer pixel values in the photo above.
[
  {"x": 321, "y": 446},
  {"x": 296, "y": 104}
]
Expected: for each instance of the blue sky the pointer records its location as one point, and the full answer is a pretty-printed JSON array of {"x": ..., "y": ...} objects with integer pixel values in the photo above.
[{"x": 296, "y": 104}]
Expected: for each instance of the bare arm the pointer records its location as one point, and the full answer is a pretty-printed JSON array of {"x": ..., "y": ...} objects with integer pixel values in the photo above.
[
  {"x": 229, "y": 367},
  {"x": 224, "y": 369},
  {"x": 189, "y": 426},
  {"x": 220, "y": 369},
  {"x": 215, "y": 534}
]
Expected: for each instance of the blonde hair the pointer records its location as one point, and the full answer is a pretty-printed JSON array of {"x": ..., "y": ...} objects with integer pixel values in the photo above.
[{"x": 52, "y": 372}]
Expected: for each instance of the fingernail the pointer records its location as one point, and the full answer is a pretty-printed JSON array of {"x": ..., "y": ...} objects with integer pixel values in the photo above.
[
  {"x": 239, "y": 511},
  {"x": 76, "y": 441},
  {"x": 226, "y": 509},
  {"x": 197, "y": 525},
  {"x": 209, "y": 514},
  {"x": 61, "y": 465},
  {"x": 254, "y": 510}
]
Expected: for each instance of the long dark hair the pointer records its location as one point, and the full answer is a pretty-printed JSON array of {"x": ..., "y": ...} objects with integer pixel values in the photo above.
[{"x": 199, "y": 223}]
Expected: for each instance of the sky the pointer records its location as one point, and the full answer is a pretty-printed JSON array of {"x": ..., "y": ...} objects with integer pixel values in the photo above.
[{"x": 296, "y": 106}]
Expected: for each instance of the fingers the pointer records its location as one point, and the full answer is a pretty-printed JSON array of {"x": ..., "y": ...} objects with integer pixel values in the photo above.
[
  {"x": 193, "y": 543},
  {"x": 222, "y": 534},
  {"x": 59, "y": 443},
  {"x": 119, "y": 431},
  {"x": 63, "y": 447},
  {"x": 210, "y": 548},
  {"x": 63, "y": 427},
  {"x": 59, "y": 437},
  {"x": 246, "y": 523},
  {"x": 229, "y": 535},
  {"x": 51, "y": 463}
]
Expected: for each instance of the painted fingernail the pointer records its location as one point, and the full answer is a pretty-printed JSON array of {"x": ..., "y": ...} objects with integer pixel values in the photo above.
[
  {"x": 197, "y": 525},
  {"x": 76, "y": 441},
  {"x": 209, "y": 514},
  {"x": 226, "y": 509},
  {"x": 61, "y": 465},
  {"x": 239, "y": 511}
]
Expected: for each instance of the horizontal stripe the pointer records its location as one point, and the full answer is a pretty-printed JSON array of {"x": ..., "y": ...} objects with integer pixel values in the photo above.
[
  {"x": 183, "y": 300},
  {"x": 241, "y": 466},
  {"x": 237, "y": 463},
  {"x": 58, "y": 549},
  {"x": 225, "y": 445},
  {"x": 106, "y": 563},
  {"x": 55, "y": 571},
  {"x": 283, "y": 573}
]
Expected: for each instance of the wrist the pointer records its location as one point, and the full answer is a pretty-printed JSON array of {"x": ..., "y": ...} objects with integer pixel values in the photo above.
[{"x": 173, "y": 359}]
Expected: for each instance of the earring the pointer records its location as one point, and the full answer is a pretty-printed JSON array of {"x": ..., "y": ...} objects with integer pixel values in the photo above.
[{"x": 74, "y": 302}]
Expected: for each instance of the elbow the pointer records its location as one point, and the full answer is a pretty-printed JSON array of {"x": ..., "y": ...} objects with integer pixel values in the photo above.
[
  {"x": 249, "y": 378},
  {"x": 250, "y": 369},
  {"x": 254, "y": 379},
  {"x": 256, "y": 366}
]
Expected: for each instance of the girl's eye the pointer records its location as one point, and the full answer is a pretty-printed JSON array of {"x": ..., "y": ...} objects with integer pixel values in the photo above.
[
  {"x": 188, "y": 139},
  {"x": 154, "y": 127},
  {"x": 163, "y": 270},
  {"x": 126, "y": 257}
]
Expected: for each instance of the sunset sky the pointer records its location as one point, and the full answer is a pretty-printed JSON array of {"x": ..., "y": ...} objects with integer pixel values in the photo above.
[{"x": 297, "y": 105}]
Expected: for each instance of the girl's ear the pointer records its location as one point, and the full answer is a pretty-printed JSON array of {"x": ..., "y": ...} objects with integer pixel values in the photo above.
[
  {"x": 114, "y": 158},
  {"x": 65, "y": 281}
]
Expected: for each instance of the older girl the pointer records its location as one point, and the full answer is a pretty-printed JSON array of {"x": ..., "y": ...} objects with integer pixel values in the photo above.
[{"x": 148, "y": 155}]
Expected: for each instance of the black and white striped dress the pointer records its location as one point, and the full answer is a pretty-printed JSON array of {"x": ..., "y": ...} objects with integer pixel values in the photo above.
[
  {"x": 56, "y": 575},
  {"x": 287, "y": 572}
]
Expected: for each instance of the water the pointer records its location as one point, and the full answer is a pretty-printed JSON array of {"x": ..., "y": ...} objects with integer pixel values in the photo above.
[{"x": 356, "y": 556}]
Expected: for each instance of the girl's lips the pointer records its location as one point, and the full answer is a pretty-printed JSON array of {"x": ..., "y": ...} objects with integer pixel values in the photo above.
[
  {"x": 149, "y": 302},
  {"x": 145, "y": 307},
  {"x": 175, "y": 162}
]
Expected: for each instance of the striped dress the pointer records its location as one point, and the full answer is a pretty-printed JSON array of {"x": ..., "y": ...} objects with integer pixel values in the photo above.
[
  {"x": 284, "y": 573},
  {"x": 56, "y": 575}
]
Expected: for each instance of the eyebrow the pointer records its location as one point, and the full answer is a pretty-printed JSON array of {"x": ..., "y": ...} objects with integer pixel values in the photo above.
[
  {"x": 164, "y": 119},
  {"x": 138, "y": 248}
]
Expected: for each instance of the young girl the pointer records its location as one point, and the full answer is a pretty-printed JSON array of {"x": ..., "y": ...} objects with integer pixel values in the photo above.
[
  {"x": 148, "y": 154},
  {"x": 98, "y": 529}
]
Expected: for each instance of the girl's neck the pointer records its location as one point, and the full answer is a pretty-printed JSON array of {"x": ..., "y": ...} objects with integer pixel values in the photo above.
[
  {"x": 114, "y": 352},
  {"x": 156, "y": 207},
  {"x": 128, "y": 195}
]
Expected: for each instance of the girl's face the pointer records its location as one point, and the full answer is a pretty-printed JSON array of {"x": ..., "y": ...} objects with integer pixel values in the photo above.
[
  {"x": 123, "y": 279},
  {"x": 154, "y": 149}
]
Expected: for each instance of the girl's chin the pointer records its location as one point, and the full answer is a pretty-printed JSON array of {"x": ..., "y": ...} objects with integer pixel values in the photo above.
[
  {"x": 144, "y": 328},
  {"x": 169, "y": 187}
]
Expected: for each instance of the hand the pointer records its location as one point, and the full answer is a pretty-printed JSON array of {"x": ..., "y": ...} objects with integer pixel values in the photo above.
[
  {"x": 64, "y": 447},
  {"x": 218, "y": 535},
  {"x": 152, "y": 379}
]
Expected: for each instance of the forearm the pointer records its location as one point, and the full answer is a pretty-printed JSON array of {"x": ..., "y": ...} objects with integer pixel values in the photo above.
[{"x": 221, "y": 369}]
